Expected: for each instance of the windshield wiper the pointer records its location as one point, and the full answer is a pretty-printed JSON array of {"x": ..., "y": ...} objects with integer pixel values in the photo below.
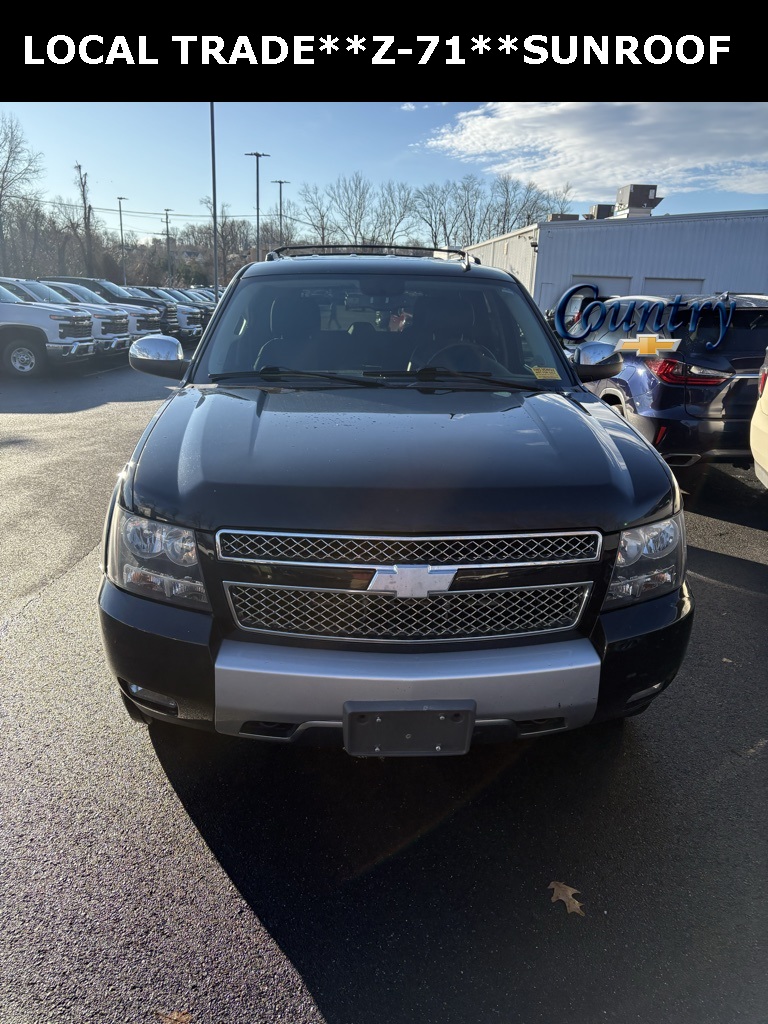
[
  {"x": 445, "y": 377},
  {"x": 269, "y": 374}
]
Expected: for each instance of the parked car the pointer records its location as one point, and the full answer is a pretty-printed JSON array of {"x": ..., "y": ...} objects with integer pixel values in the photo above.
[
  {"x": 190, "y": 316},
  {"x": 399, "y": 541},
  {"x": 205, "y": 305},
  {"x": 207, "y": 292},
  {"x": 690, "y": 392},
  {"x": 142, "y": 320},
  {"x": 36, "y": 336},
  {"x": 110, "y": 323},
  {"x": 758, "y": 428},
  {"x": 169, "y": 320}
]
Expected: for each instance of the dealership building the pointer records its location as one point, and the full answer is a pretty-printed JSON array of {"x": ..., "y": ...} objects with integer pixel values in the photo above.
[{"x": 624, "y": 249}]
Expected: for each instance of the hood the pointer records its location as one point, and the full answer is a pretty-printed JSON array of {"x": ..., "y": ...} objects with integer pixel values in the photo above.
[
  {"x": 114, "y": 307},
  {"x": 96, "y": 309},
  {"x": 354, "y": 460},
  {"x": 144, "y": 310},
  {"x": 70, "y": 309}
]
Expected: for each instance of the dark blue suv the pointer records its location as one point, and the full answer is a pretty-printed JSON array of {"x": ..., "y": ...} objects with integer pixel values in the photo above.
[{"x": 691, "y": 366}]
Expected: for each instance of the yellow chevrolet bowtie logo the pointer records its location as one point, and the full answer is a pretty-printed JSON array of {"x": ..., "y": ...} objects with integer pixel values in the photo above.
[{"x": 649, "y": 344}]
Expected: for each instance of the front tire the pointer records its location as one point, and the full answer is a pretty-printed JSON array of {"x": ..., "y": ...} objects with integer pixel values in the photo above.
[{"x": 23, "y": 358}]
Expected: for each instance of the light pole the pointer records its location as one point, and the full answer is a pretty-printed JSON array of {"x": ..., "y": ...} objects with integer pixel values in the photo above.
[
  {"x": 281, "y": 182},
  {"x": 122, "y": 243},
  {"x": 258, "y": 237},
  {"x": 213, "y": 206},
  {"x": 168, "y": 210}
]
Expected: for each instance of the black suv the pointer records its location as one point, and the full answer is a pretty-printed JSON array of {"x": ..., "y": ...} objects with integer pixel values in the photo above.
[{"x": 400, "y": 524}]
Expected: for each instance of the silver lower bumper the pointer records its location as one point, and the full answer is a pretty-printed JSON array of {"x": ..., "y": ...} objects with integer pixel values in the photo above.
[
  {"x": 309, "y": 687},
  {"x": 70, "y": 350}
]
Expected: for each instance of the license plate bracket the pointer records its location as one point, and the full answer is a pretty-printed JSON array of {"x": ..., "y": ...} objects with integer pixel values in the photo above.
[{"x": 408, "y": 728}]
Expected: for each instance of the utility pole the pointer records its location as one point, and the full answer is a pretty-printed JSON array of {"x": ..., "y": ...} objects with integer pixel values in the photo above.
[
  {"x": 213, "y": 207},
  {"x": 258, "y": 234},
  {"x": 168, "y": 210},
  {"x": 122, "y": 242},
  {"x": 281, "y": 182}
]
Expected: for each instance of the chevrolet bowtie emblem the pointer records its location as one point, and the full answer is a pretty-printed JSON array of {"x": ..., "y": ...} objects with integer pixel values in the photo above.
[
  {"x": 649, "y": 344},
  {"x": 412, "y": 580}
]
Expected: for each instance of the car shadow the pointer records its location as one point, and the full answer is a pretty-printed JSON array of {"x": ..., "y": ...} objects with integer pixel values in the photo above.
[
  {"x": 76, "y": 388},
  {"x": 412, "y": 889},
  {"x": 727, "y": 493}
]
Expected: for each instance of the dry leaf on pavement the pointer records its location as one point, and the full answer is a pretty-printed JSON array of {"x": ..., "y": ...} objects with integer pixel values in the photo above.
[{"x": 565, "y": 893}]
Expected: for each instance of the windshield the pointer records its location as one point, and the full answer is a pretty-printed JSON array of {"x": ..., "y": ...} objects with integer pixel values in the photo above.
[
  {"x": 42, "y": 292},
  {"x": 6, "y": 296},
  {"x": 85, "y": 295},
  {"x": 383, "y": 324}
]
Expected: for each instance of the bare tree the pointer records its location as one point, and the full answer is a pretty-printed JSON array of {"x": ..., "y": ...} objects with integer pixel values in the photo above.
[
  {"x": 230, "y": 232},
  {"x": 29, "y": 244},
  {"x": 392, "y": 214},
  {"x": 470, "y": 199},
  {"x": 436, "y": 209},
  {"x": 317, "y": 214},
  {"x": 351, "y": 206},
  {"x": 20, "y": 167},
  {"x": 560, "y": 199},
  {"x": 80, "y": 221}
]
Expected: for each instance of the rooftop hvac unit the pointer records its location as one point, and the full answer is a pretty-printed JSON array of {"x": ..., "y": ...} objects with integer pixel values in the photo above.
[
  {"x": 599, "y": 211},
  {"x": 637, "y": 197}
]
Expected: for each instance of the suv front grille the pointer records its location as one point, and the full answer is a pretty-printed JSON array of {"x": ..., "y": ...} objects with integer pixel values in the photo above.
[
  {"x": 147, "y": 324},
  {"x": 79, "y": 328},
  {"x": 493, "y": 549},
  {"x": 364, "y": 615},
  {"x": 333, "y": 609},
  {"x": 114, "y": 325}
]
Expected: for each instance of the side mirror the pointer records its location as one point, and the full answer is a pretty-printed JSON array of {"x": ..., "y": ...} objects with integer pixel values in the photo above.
[
  {"x": 160, "y": 355},
  {"x": 603, "y": 368}
]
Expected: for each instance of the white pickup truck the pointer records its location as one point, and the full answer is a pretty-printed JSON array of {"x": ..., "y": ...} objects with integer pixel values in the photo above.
[{"x": 37, "y": 336}]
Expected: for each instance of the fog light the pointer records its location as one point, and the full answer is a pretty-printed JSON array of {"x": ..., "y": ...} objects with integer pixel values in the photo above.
[{"x": 153, "y": 698}]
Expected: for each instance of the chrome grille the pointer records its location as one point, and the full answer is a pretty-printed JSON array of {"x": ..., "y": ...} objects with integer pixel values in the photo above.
[
  {"x": 115, "y": 325},
  {"x": 148, "y": 323},
  {"x": 366, "y": 615},
  {"x": 80, "y": 328},
  {"x": 493, "y": 549}
]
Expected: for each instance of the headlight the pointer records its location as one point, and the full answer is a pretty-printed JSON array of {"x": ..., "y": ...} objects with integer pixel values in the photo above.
[
  {"x": 155, "y": 560},
  {"x": 650, "y": 562}
]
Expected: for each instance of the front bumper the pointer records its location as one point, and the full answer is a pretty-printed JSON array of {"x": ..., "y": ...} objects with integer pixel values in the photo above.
[
  {"x": 113, "y": 346},
  {"x": 70, "y": 351},
  {"x": 293, "y": 694}
]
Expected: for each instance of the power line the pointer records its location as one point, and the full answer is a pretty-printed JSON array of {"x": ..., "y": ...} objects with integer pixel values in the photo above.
[{"x": 142, "y": 213}]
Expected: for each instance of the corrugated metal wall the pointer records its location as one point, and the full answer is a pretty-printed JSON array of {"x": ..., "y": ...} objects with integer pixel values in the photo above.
[{"x": 723, "y": 251}]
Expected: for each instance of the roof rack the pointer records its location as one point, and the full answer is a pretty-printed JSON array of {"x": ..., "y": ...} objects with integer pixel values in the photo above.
[{"x": 374, "y": 249}]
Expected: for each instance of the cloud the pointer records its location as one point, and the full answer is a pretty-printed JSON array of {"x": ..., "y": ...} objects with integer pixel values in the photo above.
[{"x": 596, "y": 148}]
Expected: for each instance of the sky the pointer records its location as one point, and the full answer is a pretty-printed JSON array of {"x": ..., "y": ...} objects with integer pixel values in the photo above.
[{"x": 702, "y": 156}]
